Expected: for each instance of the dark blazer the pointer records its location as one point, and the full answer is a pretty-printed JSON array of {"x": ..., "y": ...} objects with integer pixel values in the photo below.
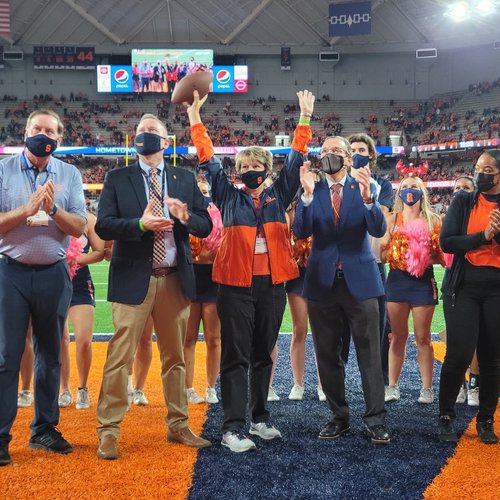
[
  {"x": 121, "y": 205},
  {"x": 348, "y": 243}
]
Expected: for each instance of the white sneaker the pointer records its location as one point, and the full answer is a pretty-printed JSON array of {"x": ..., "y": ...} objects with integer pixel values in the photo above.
[
  {"x": 321, "y": 394},
  {"x": 392, "y": 393},
  {"x": 193, "y": 397},
  {"x": 139, "y": 398},
  {"x": 211, "y": 396},
  {"x": 237, "y": 442},
  {"x": 297, "y": 393},
  {"x": 82, "y": 399},
  {"x": 65, "y": 399},
  {"x": 426, "y": 396},
  {"x": 264, "y": 431},
  {"x": 272, "y": 395},
  {"x": 24, "y": 399},
  {"x": 473, "y": 397},
  {"x": 462, "y": 395}
]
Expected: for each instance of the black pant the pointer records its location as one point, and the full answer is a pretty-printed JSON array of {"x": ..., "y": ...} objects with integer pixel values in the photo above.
[
  {"x": 250, "y": 321},
  {"x": 474, "y": 320},
  {"x": 327, "y": 324},
  {"x": 44, "y": 293}
]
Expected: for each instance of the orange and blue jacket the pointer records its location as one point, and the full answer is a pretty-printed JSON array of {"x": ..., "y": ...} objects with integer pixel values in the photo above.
[{"x": 233, "y": 264}]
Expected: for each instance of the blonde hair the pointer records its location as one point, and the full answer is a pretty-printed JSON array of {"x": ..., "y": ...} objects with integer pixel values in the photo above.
[
  {"x": 256, "y": 153},
  {"x": 425, "y": 207},
  {"x": 48, "y": 112},
  {"x": 150, "y": 116}
]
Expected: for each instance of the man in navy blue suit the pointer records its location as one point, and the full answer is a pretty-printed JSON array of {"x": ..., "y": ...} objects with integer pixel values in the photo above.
[{"x": 343, "y": 282}]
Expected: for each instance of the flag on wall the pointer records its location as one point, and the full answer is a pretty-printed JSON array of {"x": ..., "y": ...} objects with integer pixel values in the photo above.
[
  {"x": 347, "y": 19},
  {"x": 285, "y": 58},
  {"x": 4, "y": 17}
]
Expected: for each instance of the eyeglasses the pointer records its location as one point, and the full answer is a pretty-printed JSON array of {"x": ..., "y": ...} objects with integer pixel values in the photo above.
[{"x": 335, "y": 150}]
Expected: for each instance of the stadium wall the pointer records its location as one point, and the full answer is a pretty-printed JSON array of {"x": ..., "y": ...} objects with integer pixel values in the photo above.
[{"x": 397, "y": 76}]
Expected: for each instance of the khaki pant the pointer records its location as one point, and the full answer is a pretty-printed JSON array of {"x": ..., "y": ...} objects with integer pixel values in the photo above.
[{"x": 170, "y": 310}]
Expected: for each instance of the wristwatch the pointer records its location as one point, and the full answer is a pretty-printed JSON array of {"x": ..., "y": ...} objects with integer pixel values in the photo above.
[{"x": 53, "y": 211}]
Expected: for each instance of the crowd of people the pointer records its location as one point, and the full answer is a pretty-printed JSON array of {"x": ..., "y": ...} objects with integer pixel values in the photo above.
[{"x": 221, "y": 252}]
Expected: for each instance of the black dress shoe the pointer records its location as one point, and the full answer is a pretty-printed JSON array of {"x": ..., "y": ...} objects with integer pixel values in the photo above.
[
  {"x": 446, "y": 433},
  {"x": 334, "y": 430},
  {"x": 485, "y": 431},
  {"x": 50, "y": 440},
  {"x": 378, "y": 434},
  {"x": 4, "y": 454}
]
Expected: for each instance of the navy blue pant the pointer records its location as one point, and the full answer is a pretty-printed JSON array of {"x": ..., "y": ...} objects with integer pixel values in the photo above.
[
  {"x": 42, "y": 293},
  {"x": 384, "y": 339}
]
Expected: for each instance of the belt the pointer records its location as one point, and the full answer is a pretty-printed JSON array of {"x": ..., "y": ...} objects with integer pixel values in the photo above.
[
  {"x": 339, "y": 273},
  {"x": 159, "y": 272},
  {"x": 10, "y": 260}
]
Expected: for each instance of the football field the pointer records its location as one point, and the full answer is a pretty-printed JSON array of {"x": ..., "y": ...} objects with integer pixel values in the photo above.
[{"x": 104, "y": 324}]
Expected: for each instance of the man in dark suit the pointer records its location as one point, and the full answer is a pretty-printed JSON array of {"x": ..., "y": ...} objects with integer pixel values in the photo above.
[
  {"x": 343, "y": 282},
  {"x": 149, "y": 210}
]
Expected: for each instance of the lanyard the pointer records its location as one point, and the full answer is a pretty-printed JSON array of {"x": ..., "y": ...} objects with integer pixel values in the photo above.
[
  {"x": 32, "y": 176},
  {"x": 163, "y": 182}
]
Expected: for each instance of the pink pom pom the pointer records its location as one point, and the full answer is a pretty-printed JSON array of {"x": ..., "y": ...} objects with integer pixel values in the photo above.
[
  {"x": 73, "y": 253},
  {"x": 418, "y": 257},
  {"x": 212, "y": 241}
]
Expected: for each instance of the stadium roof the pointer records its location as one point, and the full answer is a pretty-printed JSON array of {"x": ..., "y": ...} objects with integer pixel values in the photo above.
[{"x": 241, "y": 27}]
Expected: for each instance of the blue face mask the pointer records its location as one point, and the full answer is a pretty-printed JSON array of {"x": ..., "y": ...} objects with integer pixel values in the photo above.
[
  {"x": 410, "y": 196},
  {"x": 359, "y": 161},
  {"x": 147, "y": 143},
  {"x": 253, "y": 178},
  {"x": 41, "y": 145}
]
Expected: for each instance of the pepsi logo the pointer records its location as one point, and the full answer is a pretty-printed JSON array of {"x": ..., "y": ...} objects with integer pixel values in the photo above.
[
  {"x": 121, "y": 76},
  {"x": 223, "y": 76}
]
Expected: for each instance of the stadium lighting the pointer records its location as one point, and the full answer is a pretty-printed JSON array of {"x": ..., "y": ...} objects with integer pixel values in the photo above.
[
  {"x": 485, "y": 7},
  {"x": 459, "y": 11}
]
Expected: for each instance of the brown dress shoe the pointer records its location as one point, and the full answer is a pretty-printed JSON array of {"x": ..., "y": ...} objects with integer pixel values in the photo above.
[
  {"x": 186, "y": 436},
  {"x": 107, "y": 448}
]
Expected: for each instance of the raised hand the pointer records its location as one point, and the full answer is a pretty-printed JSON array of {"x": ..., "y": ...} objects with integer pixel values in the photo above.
[
  {"x": 306, "y": 102},
  {"x": 307, "y": 179},
  {"x": 193, "y": 110}
]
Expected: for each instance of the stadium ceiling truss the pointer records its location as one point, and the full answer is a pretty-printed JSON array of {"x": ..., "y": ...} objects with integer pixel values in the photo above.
[{"x": 240, "y": 27}]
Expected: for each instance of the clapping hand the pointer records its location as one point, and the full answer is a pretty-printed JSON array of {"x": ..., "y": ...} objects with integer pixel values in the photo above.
[{"x": 153, "y": 222}]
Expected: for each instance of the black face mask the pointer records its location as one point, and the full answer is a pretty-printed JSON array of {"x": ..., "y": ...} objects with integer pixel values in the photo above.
[
  {"x": 331, "y": 163},
  {"x": 253, "y": 178},
  {"x": 40, "y": 145},
  {"x": 147, "y": 143},
  {"x": 484, "y": 182}
]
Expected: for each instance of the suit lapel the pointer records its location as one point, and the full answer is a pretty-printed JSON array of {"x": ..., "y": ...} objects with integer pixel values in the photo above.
[
  {"x": 137, "y": 179},
  {"x": 347, "y": 199},
  {"x": 325, "y": 202},
  {"x": 172, "y": 182}
]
